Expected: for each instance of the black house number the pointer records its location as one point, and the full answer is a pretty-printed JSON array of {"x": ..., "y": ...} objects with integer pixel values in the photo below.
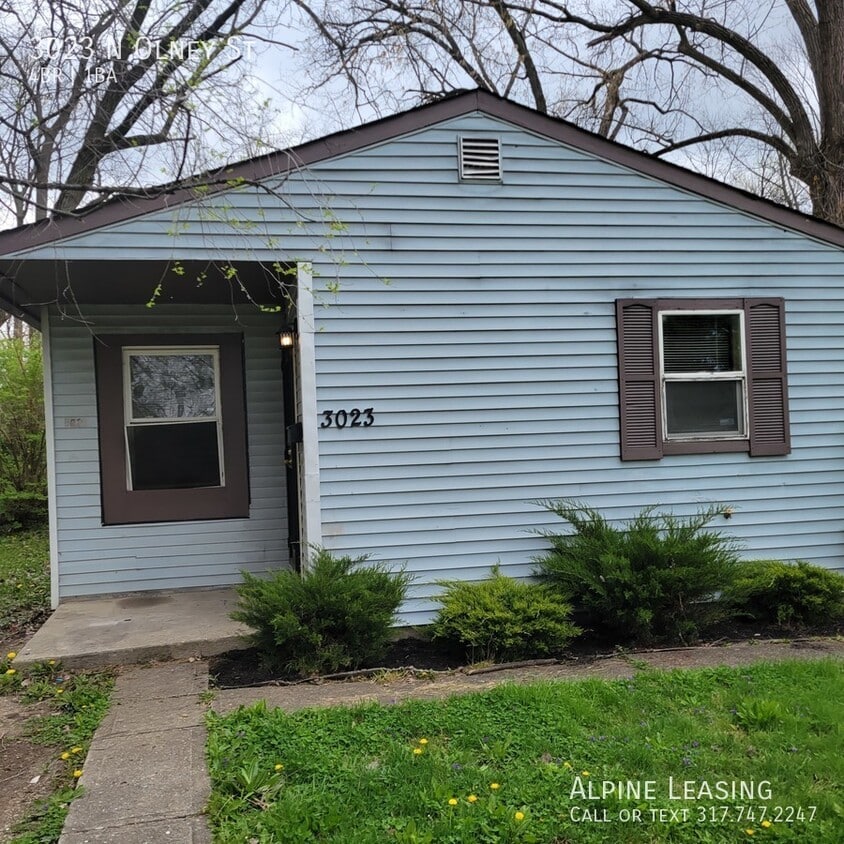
[{"x": 354, "y": 418}]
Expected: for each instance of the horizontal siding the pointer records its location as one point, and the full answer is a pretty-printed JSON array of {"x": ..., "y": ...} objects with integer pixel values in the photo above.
[
  {"x": 478, "y": 322},
  {"x": 95, "y": 559}
]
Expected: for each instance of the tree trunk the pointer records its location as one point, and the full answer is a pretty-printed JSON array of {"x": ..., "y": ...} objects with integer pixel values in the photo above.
[
  {"x": 826, "y": 172},
  {"x": 826, "y": 188}
]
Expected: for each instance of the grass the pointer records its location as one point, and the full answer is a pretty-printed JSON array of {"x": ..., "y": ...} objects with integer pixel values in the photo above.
[
  {"x": 76, "y": 705},
  {"x": 516, "y": 763},
  {"x": 24, "y": 578}
]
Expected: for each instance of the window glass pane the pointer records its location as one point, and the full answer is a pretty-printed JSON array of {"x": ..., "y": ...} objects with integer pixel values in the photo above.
[
  {"x": 701, "y": 343},
  {"x": 172, "y": 386},
  {"x": 175, "y": 456},
  {"x": 704, "y": 407}
]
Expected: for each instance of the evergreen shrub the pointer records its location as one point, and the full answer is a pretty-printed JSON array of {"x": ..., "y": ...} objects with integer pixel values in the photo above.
[
  {"x": 336, "y": 615},
  {"x": 502, "y": 618},
  {"x": 658, "y": 577}
]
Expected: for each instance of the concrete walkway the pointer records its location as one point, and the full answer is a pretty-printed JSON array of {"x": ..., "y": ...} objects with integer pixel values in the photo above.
[{"x": 145, "y": 779}]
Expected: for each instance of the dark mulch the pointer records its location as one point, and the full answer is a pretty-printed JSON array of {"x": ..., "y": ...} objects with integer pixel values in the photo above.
[{"x": 246, "y": 667}]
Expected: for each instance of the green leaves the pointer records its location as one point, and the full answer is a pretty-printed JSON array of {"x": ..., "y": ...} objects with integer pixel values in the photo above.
[
  {"x": 800, "y": 595},
  {"x": 656, "y": 577},
  {"x": 504, "y": 618},
  {"x": 336, "y": 615},
  {"x": 23, "y": 467}
]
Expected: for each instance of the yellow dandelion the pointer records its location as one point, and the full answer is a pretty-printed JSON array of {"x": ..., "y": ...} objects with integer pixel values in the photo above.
[
  {"x": 494, "y": 786},
  {"x": 423, "y": 741},
  {"x": 59, "y": 691},
  {"x": 11, "y": 655},
  {"x": 76, "y": 749},
  {"x": 452, "y": 801},
  {"x": 10, "y": 671},
  {"x": 417, "y": 751},
  {"x": 65, "y": 756},
  {"x": 766, "y": 824},
  {"x": 472, "y": 798},
  {"x": 51, "y": 662},
  {"x": 77, "y": 773},
  {"x": 567, "y": 765},
  {"x": 750, "y": 831},
  {"x": 585, "y": 773},
  {"x": 279, "y": 766},
  {"x": 519, "y": 816}
]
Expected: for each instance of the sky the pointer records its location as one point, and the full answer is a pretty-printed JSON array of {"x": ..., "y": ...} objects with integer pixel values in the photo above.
[{"x": 274, "y": 64}]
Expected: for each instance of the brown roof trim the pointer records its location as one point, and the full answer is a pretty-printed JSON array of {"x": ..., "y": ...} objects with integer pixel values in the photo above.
[{"x": 387, "y": 128}]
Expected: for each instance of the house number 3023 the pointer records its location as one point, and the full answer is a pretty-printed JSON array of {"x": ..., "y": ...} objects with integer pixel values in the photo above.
[{"x": 354, "y": 418}]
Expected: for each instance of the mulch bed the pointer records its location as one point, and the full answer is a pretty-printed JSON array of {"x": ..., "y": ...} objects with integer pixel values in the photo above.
[{"x": 241, "y": 668}]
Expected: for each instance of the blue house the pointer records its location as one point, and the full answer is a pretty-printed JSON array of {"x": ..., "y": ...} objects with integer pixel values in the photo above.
[{"x": 396, "y": 339}]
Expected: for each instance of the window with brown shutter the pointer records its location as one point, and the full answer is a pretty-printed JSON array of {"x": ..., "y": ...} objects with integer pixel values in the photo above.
[{"x": 702, "y": 376}]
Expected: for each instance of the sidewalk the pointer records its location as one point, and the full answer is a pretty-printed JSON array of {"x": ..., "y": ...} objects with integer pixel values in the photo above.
[{"x": 145, "y": 778}]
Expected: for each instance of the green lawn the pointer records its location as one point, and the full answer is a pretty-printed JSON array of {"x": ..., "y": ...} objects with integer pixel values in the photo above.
[
  {"x": 531, "y": 763},
  {"x": 24, "y": 577}
]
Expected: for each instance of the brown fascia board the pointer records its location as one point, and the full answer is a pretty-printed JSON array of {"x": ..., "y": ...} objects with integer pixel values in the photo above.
[{"x": 121, "y": 209}]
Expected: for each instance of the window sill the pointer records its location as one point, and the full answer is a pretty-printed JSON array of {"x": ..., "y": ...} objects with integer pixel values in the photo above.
[{"x": 705, "y": 446}]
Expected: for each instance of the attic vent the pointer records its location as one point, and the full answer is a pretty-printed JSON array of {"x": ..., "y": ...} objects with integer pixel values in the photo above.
[{"x": 480, "y": 159}]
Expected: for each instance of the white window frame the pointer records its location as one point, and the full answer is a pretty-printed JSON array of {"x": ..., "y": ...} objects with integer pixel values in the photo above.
[
  {"x": 129, "y": 420},
  {"x": 732, "y": 376}
]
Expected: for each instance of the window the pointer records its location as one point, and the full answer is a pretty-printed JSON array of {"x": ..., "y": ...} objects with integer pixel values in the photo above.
[
  {"x": 172, "y": 428},
  {"x": 703, "y": 379},
  {"x": 173, "y": 424},
  {"x": 700, "y": 376}
]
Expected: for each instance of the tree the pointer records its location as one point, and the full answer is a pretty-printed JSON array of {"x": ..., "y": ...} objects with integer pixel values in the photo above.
[
  {"x": 116, "y": 91},
  {"x": 664, "y": 75},
  {"x": 23, "y": 465}
]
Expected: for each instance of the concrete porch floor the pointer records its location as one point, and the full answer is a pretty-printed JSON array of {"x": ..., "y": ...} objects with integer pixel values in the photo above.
[{"x": 114, "y": 630}]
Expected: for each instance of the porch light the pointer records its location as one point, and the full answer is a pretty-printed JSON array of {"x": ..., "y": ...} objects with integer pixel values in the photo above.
[{"x": 287, "y": 336}]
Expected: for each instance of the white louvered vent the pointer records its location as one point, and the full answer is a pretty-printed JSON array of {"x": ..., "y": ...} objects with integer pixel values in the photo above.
[{"x": 480, "y": 159}]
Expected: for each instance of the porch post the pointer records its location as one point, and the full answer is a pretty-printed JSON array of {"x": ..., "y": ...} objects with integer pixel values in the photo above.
[
  {"x": 311, "y": 515},
  {"x": 50, "y": 439}
]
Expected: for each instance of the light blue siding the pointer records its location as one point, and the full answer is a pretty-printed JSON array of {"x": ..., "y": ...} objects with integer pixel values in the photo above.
[
  {"x": 478, "y": 322},
  {"x": 96, "y": 559}
]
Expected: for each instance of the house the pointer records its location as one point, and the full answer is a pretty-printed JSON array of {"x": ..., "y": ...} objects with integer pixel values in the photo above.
[{"x": 396, "y": 339}]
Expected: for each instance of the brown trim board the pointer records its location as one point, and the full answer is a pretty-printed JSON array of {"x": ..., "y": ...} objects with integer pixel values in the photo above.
[{"x": 123, "y": 506}]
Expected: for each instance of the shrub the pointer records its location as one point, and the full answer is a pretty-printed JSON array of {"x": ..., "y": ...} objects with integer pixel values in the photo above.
[
  {"x": 336, "y": 615},
  {"x": 504, "y": 618},
  {"x": 655, "y": 578},
  {"x": 800, "y": 595},
  {"x": 21, "y": 510}
]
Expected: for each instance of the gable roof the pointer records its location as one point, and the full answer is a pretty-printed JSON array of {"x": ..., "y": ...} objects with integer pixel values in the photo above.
[{"x": 122, "y": 208}]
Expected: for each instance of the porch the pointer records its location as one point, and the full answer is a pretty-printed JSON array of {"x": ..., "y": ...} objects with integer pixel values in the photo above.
[{"x": 120, "y": 629}]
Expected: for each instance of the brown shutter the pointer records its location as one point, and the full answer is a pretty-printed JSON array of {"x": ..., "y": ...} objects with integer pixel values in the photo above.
[
  {"x": 638, "y": 379},
  {"x": 767, "y": 393}
]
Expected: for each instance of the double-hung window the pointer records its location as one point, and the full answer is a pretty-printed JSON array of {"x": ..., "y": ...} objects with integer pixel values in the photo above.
[
  {"x": 172, "y": 427},
  {"x": 701, "y": 376},
  {"x": 173, "y": 420},
  {"x": 702, "y": 358}
]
